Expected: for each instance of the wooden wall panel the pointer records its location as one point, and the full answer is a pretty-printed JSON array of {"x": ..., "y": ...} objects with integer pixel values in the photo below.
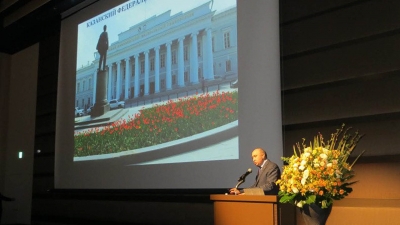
[
  {"x": 335, "y": 64},
  {"x": 44, "y": 165},
  {"x": 295, "y": 9},
  {"x": 363, "y": 97},
  {"x": 341, "y": 26},
  {"x": 47, "y": 85},
  {"x": 41, "y": 186},
  {"x": 46, "y": 124},
  {"x": 46, "y": 104},
  {"x": 340, "y": 64},
  {"x": 45, "y": 143}
]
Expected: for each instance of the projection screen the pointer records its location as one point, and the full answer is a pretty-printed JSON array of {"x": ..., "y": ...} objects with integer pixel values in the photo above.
[{"x": 162, "y": 107}]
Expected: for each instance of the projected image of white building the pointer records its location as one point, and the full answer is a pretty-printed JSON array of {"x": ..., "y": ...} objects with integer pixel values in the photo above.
[
  {"x": 163, "y": 53},
  {"x": 177, "y": 54}
]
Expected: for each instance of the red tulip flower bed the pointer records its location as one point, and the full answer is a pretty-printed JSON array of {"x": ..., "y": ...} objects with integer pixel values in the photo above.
[{"x": 159, "y": 124}]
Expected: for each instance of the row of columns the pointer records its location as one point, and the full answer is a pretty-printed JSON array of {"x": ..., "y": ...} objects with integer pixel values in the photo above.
[{"x": 194, "y": 65}]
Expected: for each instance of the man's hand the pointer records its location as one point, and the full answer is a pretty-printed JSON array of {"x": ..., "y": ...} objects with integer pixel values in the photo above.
[{"x": 234, "y": 191}]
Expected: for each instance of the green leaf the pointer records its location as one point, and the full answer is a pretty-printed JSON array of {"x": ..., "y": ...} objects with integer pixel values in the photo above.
[
  {"x": 286, "y": 198},
  {"x": 310, "y": 199}
]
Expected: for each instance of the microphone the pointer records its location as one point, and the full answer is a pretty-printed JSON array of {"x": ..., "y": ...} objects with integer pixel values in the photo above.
[
  {"x": 241, "y": 178},
  {"x": 245, "y": 174}
]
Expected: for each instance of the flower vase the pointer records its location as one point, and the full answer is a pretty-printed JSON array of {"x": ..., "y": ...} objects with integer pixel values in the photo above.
[{"x": 315, "y": 215}]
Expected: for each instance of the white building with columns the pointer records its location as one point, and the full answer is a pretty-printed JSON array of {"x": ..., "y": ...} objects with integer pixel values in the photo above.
[{"x": 163, "y": 53}]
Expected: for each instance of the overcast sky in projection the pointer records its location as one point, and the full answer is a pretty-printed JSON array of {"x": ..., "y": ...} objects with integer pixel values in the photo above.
[{"x": 88, "y": 36}]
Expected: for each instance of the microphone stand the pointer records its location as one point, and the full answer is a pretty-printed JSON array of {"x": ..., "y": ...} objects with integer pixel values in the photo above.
[{"x": 241, "y": 181}]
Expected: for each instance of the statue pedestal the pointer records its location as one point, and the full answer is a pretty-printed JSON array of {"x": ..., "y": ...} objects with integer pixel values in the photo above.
[
  {"x": 101, "y": 106},
  {"x": 99, "y": 110}
]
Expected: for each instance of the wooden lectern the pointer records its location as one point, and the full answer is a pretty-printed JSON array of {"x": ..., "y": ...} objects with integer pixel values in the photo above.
[{"x": 245, "y": 209}]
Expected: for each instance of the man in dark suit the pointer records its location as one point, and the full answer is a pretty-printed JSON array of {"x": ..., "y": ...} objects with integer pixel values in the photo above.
[
  {"x": 102, "y": 47},
  {"x": 267, "y": 175}
]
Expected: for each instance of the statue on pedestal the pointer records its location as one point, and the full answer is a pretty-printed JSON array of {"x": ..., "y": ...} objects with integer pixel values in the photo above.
[{"x": 102, "y": 47}]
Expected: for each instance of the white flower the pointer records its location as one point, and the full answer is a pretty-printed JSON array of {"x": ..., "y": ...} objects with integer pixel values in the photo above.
[
  {"x": 316, "y": 165},
  {"x": 295, "y": 165},
  {"x": 300, "y": 204},
  {"x": 306, "y": 173},
  {"x": 326, "y": 151},
  {"x": 329, "y": 165},
  {"x": 307, "y": 154},
  {"x": 295, "y": 190},
  {"x": 302, "y": 167},
  {"x": 323, "y": 155},
  {"x": 305, "y": 176},
  {"x": 303, "y": 162},
  {"x": 338, "y": 174}
]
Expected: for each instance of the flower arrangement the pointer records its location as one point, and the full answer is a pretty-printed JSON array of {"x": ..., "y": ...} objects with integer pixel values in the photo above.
[{"x": 319, "y": 173}]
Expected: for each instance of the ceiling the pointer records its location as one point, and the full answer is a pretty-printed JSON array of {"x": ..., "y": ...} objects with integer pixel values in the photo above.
[{"x": 25, "y": 22}]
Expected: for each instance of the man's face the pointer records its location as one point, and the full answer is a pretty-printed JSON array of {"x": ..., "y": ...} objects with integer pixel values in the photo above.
[{"x": 258, "y": 157}]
